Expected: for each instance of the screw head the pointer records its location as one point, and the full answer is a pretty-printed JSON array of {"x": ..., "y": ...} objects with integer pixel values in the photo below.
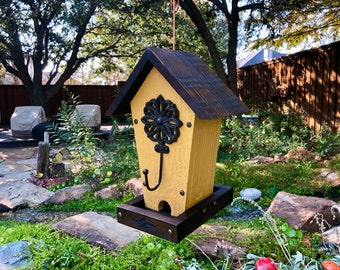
[
  {"x": 169, "y": 231},
  {"x": 189, "y": 124},
  {"x": 135, "y": 121},
  {"x": 182, "y": 192}
]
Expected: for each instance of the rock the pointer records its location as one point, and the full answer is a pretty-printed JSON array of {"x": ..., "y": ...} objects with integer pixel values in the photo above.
[
  {"x": 261, "y": 159},
  {"x": 251, "y": 193},
  {"x": 135, "y": 185},
  {"x": 214, "y": 244},
  {"x": 16, "y": 194},
  {"x": 98, "y": 229},
  {"x": 299, "y": 153},
  {"x": 332, "y": 236},
  {"x": 333, "y": 177},
  {"x": 15, "y": 255},
  {"x": 278, "y": 157},
  {"x": 318, "y": 158},
  {"x": 69, "y": 194},
  {"x": 325, "y": 172},
  {"x": 109, "y": 192},
  {"x": 303, "y": 212}
]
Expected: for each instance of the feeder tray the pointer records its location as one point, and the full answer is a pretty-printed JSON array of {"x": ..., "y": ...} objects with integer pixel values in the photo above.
[{"x": 134, "y": 214}]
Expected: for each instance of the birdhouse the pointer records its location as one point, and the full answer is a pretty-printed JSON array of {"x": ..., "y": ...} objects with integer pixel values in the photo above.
[{"x": 177, "y": 104}]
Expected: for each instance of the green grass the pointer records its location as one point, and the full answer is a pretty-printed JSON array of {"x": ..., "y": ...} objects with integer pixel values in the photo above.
[
  {"x": 88, "y": 203},
  {"x": 55, "y": 250}
]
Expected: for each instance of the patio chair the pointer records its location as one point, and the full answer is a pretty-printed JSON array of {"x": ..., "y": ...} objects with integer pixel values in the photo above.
[
  {"x": 90, "y": 115},
  {"x": 25, "y": 118}
]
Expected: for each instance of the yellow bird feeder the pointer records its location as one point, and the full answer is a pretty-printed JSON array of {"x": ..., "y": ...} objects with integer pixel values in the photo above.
[{"x": 177, "y": 104}]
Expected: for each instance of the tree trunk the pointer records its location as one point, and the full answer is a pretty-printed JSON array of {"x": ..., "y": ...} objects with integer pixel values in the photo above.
[
  {"x": 232, "y": 53},
  {"x": 195, "y": 15}
]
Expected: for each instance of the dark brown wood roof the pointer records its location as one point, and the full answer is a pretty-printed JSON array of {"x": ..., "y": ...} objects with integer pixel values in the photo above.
[{"x": 204, "y": 92}]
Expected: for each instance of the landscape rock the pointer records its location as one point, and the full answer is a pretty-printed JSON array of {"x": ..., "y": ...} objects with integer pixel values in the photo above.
[
  {"x": 251, "y": 193},
  {"x": 69, "y": 194},
  {"x": 333, "y": 176},
  {"x": 332, "y": 236},
  {"x": 299, "y": 153},
  {"x": 214, "y": 244},
  {"x": 109, "y": 192},
  {"x": 303, "y": 212},
  {"x": 15, "y": 255},
  {"x": 17, "y": 194},
  {"x": 261, "y": 159},
  {"x": 324, "y": 172},
  {"x": 135, "y": 185},
  {"x": 278, "y": 158},
  {"x": 100, "y": 230}
]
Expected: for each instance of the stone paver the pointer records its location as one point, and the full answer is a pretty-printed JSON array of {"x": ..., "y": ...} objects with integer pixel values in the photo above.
[
  {"x": 14, "y": 194},
  {"x": 17, "y": 163},
  {"x": 98, "y": 229}
]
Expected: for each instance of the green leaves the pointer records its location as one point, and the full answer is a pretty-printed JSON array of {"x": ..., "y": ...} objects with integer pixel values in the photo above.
[{"x": 293, "y": 237}]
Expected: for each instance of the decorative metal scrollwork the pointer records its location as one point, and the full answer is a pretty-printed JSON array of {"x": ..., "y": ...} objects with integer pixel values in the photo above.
[{"x": 161, "y": 125}]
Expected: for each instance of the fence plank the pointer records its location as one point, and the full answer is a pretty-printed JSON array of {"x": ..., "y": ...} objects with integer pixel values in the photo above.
[{"x": 313, "y": 78}]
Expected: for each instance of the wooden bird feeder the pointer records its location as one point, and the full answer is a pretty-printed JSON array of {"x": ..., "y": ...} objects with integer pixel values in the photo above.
[{"x": 177, "y": 104}]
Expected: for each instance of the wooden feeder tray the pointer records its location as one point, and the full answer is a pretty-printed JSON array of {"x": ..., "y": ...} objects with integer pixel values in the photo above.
[{"x": 134, "y": 214}]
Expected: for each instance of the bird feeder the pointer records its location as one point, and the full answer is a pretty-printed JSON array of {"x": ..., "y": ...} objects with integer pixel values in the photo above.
[{"x": 177, "y": 104}]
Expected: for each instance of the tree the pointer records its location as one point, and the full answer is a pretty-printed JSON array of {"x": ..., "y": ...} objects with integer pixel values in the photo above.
[
  {"x": 35, "y": 33},
  {"x": 232, "y": 13},
  {"x": 303, "y": 23},
  {"x": 150, "y": 24},
  {"x": 288, "y": 21}
]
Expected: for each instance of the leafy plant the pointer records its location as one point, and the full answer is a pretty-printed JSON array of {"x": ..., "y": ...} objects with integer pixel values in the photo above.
[
  {"x": 276, "y": 133},
  {"x": 90, "y": 163}
]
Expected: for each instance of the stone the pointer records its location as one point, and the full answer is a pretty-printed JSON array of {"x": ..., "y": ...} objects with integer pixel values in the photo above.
[
  {"x": 109, "y": 192},
  {"x": 303, "y": 212},
  {"x": 15, "y": 255},
  {"x": 135, "y": 185},
  {"x": 299, "y": 153},
  {"x": 214, "y": 244},
  {"x": 69, "y": 194},
  {"x": 333, "y": 177},
  {"x": 97, "y": 229},
  {"x": 318, "y": 158},
  {"x": 278, "y": 157},
  {"x": 17, "y": 194},
  {"x": 324, "y": 172},
  {"x": 332, "y": 236},
  {"x": 251, "y": 193},
  {"x": 30, "y": 161},
  {"x": 261, "y": 159}
]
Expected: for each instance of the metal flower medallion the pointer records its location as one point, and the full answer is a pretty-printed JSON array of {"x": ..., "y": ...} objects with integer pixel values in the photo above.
[{"x": 161, "y": 125}]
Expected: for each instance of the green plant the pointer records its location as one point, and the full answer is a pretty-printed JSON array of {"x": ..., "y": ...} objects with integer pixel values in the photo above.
[
  {"x": 89, "y": 162},
  {"x": 327, "y": 143},
  {"x": 276, "y": 133}
]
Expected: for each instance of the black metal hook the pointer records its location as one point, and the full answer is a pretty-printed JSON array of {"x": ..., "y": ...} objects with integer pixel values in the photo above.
[{"x": 146, "y": 171}]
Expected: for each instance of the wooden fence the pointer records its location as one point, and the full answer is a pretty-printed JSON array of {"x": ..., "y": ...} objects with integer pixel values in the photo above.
[
  {"x": 307, "y": 81},
  {"x": 15, "y": 95}
]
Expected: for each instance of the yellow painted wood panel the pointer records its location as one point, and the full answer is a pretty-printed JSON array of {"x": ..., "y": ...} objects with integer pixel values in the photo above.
[
  {"x": 182, "y": 160},
  {"x": 203, "y": 160}
]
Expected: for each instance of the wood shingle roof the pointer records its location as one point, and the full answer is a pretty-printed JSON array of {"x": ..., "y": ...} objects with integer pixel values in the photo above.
[{"x": 204, "y": 92}]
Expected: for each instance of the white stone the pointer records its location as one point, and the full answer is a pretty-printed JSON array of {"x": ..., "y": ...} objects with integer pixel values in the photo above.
[
  {"x": 251, "y": 193},
  {"x": 333, "y": 176}
]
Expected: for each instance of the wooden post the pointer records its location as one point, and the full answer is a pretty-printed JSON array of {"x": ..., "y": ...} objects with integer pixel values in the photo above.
[{"x": 43, "y": 156}]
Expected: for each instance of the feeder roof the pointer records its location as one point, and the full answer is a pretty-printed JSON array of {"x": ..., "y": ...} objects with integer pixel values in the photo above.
[{"x": 204, "y": 92}]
